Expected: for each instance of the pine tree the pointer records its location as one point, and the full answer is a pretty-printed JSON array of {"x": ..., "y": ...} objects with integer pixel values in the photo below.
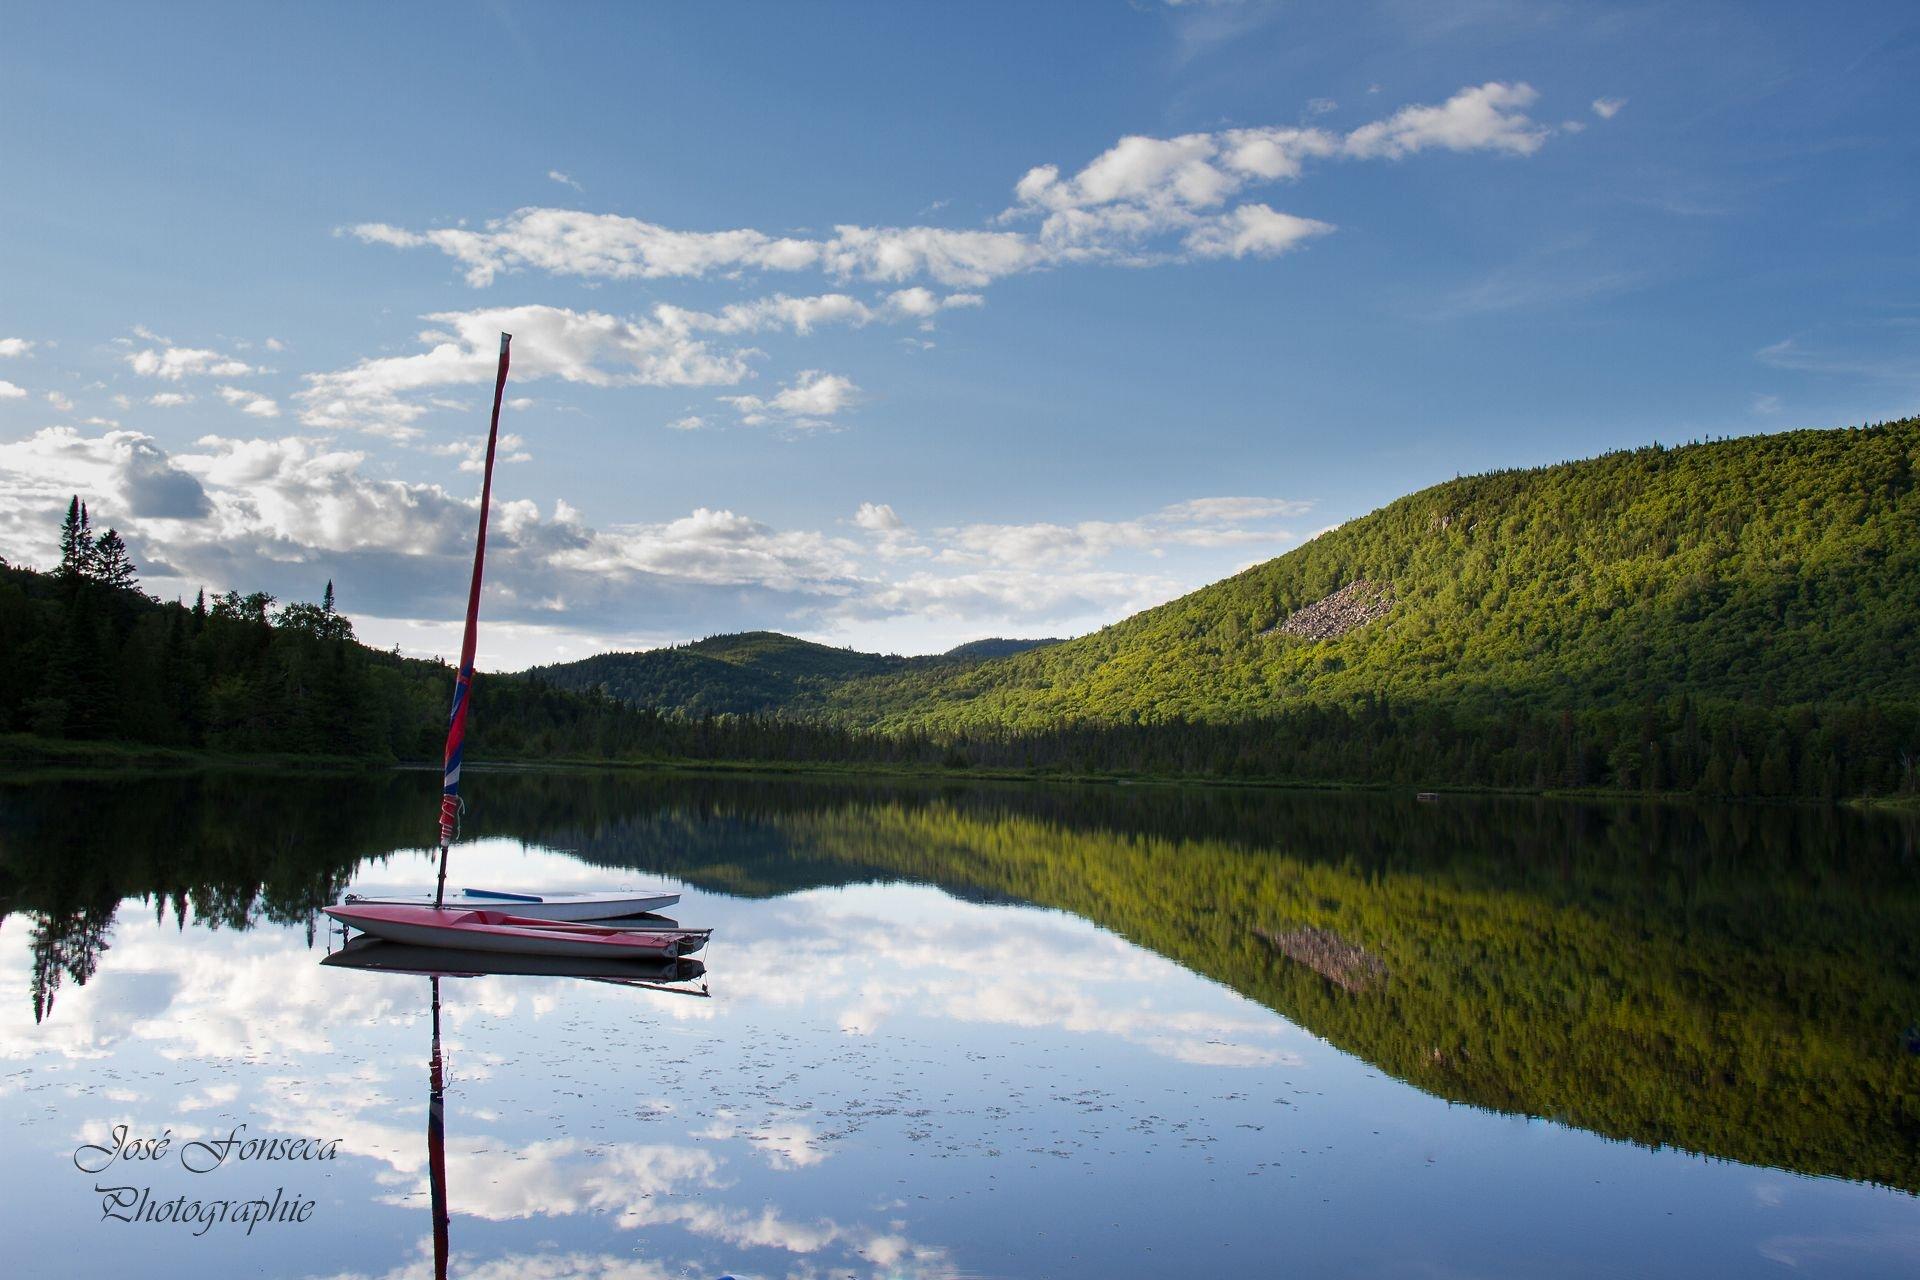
[
  {"x": 112, "y": 568},
  {"x": 76, "y": 544}
]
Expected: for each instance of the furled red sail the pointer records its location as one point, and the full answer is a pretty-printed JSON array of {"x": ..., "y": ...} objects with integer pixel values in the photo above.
[{"x": 463, "y": 681}]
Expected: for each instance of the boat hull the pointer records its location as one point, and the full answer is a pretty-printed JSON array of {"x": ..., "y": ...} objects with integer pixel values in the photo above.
[
  {"x": 546, "y": 906},
  {"x": 377, "y": 955},
  {"x": 497, "y": 931}
]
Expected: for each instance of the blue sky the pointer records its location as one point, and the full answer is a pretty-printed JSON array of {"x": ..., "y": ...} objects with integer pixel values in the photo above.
[{"x": 902, "y": 325}]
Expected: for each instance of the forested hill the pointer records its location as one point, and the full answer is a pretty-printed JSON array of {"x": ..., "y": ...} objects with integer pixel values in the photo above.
[
  {"x": 1770, "y": 572},
  {"x": 753, "y": 671},
  {"x": 91, "y": 658},
  {"x": 1731, "y": 618},
  {"x": 1734, "y": 618}
]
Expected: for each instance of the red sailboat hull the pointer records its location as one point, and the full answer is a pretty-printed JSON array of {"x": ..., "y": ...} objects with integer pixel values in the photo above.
[{"x": 519, "y": 935}]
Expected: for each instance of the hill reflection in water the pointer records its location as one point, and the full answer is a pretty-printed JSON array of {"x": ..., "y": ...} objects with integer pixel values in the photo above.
[{"x": 1732, "y": 981}]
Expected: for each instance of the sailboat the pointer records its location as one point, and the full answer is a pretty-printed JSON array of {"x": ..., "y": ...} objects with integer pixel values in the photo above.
[
  {"x": 520, "y": 935},
  {"x": 493, "y": 918}
]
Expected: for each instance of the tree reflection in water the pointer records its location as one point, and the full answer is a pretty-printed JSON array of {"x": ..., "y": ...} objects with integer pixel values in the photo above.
[{"x": 1732, "y": 980}]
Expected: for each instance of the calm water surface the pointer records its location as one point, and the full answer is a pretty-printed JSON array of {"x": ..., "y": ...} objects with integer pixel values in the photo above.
[{"x": 977, "y": 1031}]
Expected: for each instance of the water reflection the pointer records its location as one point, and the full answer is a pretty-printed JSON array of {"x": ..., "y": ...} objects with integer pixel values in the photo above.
[
  {"x": 907, "y": 1068},
  {"x": 371, "y": 955},
  {"x": 1737, "y": 981},
  {"x": 437, "y": 1141}
]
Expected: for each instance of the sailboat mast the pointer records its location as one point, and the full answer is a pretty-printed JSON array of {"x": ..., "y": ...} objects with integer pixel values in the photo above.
[{"x": 463, "y": 679}]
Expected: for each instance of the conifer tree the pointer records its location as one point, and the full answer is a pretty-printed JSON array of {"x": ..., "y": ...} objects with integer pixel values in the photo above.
[
  {"x": 76, "y": 544},
  {"x": 111, "y": 566}
]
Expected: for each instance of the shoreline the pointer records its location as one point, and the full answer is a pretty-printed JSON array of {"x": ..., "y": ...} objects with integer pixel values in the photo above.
[{"x": 26, "y": 758}]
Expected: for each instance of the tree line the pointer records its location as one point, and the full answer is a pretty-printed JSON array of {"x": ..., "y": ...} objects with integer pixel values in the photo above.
[{"x": 92, "y": 657}]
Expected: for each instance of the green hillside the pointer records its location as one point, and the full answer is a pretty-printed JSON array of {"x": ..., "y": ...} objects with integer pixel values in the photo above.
[
  {"x": 1779, "y": 570},
  {"x": 740, "y": 674},
  {"x": 1736, "y": 618},
  {"x": 996, "y": 647},
  {"x": 748, "y": 673}
]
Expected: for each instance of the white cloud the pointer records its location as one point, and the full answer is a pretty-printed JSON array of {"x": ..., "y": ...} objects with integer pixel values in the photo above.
[
  {"x": 922, "y": 303},
  {"x": 587, "y": 347},
  {"x": 692, "y": 422},
  {"x": 1252, "y": 229},
  {"x": 802, "y": 315},
  {"x": 1491, "y": 117},
  {"x": 720, "y": 548},
  {"x": 960, "y": 258},
  {"x": 878, "y": 517},
  {"x": 8, "y": 391},
  {"x": 1231, "y": 510},
  {"x": 473, "y": 453},
  {"x": 250, "y": 402},
  {"x": 1272, "y": 154},
  {"x": 171, "y": 363},
  {"x": 1201, "y": 522},
  {"x": 11, "y": 348},
  {"x": 274, "y": 344},
  {"x": 1608, "y": 108},
  {"x": 282, "y": 515},
  {"x": 565, "y": 180},
  {"x": 1116, "y": 209},
  {"x": 122, "y": 475},
  {"x": 568, "y": 242},
  {"x": 1136, "y": 170},
  {"x": 169, "y": 399},
  {"x": 891, "y": 539},
  {"x": 272, "y": 514},
  {"x": 59, "y": 401},
  {"x": 808, "y": 401},
  {"x": 997, "y": 600},
  {"x": 1144, "y": 187},
  {"x": 1049, "y": 577}
]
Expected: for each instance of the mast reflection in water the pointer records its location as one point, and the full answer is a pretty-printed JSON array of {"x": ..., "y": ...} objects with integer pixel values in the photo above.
[
  {"x": 437, "y": 1141},
  {"x": 370, "y": 955}
]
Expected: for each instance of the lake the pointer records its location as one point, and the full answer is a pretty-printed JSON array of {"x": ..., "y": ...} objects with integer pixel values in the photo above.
[{"x": 966, "y": 1030}]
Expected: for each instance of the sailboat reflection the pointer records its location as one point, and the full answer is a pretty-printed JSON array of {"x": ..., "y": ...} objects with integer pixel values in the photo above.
[{"x": 372, "y": 955}]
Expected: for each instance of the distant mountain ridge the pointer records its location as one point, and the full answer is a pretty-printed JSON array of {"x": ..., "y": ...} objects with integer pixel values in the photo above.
[
  {"x": 1735, "y": 617},
  {"x": 749, "y": 672}
]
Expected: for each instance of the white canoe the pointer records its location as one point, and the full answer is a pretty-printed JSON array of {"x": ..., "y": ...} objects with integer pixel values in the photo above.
[{"x": 537, "y": 906}]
